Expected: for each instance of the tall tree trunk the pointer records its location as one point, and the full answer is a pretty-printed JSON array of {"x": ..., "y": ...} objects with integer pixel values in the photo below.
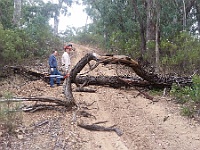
[
  {"x": 151, "y": 25},
  {"x": 184, "y": 15},
  {"x": 157, "y": 38},
  {"x": 17, "y": 12},
  {"x": 56, "y": 23},
  {"x": 56, "y": 16},
  {"x": 142, "y": 28}
]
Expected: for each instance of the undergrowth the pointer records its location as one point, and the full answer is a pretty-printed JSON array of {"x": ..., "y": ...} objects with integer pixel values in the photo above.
[
  {"x": 188, "y": 96},
  {"x": 10, "y": 117}
]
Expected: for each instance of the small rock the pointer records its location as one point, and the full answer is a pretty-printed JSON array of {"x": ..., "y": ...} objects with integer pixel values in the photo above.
[
  {"x": 20, "y": 136},
  {"x": 17, "y": 130}
]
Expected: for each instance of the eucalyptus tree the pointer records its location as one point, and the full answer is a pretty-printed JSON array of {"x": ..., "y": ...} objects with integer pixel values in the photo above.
[
  {"x": 113, "y": 21},
  {"x": 36, "y": 16},
  {"x": 146, "y": 28},
  {"x": 61, "y": 7}
]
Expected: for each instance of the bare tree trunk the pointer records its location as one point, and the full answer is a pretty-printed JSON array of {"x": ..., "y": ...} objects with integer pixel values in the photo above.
[
  {"x": 142, "y": 28},
  {"x": 151, "y": 25},
  {"x": 17, "y": 12},
  {"x": 57, "y": 14},
  {"x": 184, "y": 16},
  {"x": 157, "y": 39},
  {"x": 56, "y": 23}
]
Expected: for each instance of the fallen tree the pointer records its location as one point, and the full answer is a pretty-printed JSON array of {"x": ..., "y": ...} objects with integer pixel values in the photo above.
[{"x": 144, "y": 79}]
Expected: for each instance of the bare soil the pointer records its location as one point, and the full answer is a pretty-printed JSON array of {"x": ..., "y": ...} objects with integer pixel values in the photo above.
[{"x": 146, "y": 125}]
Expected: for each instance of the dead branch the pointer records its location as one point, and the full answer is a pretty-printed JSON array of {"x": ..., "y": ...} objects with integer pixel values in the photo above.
[
  {"x": 41, "y": 123},
  {"x": 91, "y": 67},
  {"x": 34, "y": 108},
  {"x": 94, "y": 127},
  {"x": 54, "y": 103},
  {"x": 114, "y": 81},
  {"x": 77, "y": 68},
  {"x": 153, "y": 78},
  {"x": 146, "y": 95},
  {"x": 40, "y": 99}
]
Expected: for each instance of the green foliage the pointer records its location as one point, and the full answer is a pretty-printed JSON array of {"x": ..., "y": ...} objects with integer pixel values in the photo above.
[
  {"x": 11, "y": 45},
  {"x": 36, "y": 40},
  {"x": 114, "y": 24},
  {"x": 118, "y": 23},
  {"x": 156, "y": 92},
  {"x": 123, "y": 44},
  {"x": 189, "y": 96},
  {"x": 33, "y": 38},
  {"x": 84, "y": 36},
  {"x": 151, "y": 45},
  {"x": 9, "y": 116},
  {"x": 187, "y": 111},
  {"x": 89, "y": 39},
  {"x": 181, "y": 93},
  {"x": 181, "y": 54},
  {"x": 6, "y": 13}
]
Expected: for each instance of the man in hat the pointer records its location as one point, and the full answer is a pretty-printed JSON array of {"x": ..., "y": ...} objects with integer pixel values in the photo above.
[{"x": 66, "y": 63}]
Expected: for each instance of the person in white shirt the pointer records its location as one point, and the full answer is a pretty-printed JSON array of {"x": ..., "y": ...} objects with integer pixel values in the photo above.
[{"x": 66, "y": 63}]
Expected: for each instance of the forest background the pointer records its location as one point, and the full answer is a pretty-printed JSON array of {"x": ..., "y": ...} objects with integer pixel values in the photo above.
[{"x": 166, "y": 33}]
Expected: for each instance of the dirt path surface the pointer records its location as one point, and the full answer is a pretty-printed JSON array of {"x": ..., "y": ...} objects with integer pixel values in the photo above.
[{"x": 145, "y": 125}]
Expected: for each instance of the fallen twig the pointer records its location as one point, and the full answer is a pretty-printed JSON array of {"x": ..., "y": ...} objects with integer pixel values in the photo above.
[
  {"x": 41, "y": 123},
  {"x": 146, "y": 95},
  {"x": 36, "y": 107},
  {"x": 85, "y": 114},
  {"x": 40, "y": 99},
  {"x": 94, "y": 127}
]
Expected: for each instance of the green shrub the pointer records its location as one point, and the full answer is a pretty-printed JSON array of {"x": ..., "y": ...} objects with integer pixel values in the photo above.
[
  {"x": 180, "y": 54},
  {"x": 187, "y": 111},
  {"x": 10, "y": 117},
  {"x": 188, "y": 95}
]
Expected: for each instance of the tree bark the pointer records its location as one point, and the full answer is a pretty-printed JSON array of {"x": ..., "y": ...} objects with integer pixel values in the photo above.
[
  {"x": 153, "y": 78},
  {"x": 184, "y": 15},
  {"x": 151, "y": 24},
  {"x": 157, "y": 52},
  {"x": 142, "y": 28}
]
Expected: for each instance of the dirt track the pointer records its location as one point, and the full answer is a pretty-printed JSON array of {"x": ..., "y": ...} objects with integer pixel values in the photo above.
[{"x": 141, "y": 121}]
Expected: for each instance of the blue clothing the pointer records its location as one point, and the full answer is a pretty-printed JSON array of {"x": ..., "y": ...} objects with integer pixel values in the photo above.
[
  {"x": 55, "y": 72},
  {"x": 53, "y": 61},
  {"x": 53, "y": 64}
]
